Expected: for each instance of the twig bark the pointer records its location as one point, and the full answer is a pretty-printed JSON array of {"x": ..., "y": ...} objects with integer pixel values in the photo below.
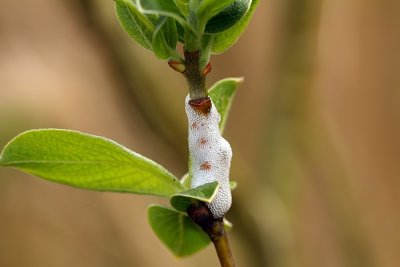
[
  {"x": 203, "y": 217},
  {"x": 195, "y": 77}
]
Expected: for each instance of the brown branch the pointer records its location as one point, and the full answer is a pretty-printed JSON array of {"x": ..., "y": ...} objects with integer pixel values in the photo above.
[
  {"x": 214, "y": 227},
  {"x": 220, "y": 239},
  {"x": 194, "y": 75}
]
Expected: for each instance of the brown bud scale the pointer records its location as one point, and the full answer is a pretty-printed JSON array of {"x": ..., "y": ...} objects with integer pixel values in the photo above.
[{"x": 202, "y": 105}]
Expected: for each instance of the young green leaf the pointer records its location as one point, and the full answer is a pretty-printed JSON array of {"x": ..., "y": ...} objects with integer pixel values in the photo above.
[
  {"x": 181, "y": 33},
  {"x": 204, "y": 193},
  {"x": 222, "y": 94},
  {"x": 205, "y": 50},
  {"x": 186, "y": 180},
  {"x": 209, "y": 8},
  {"x": 162, "y": 8},
  {"x": 183, "y": 6},
  {"x": 177, "y": 231},
  {"x": 165, "y": 39},
  {"x": 87, "y": 161},
  {"x": 137, "y": 25},
  {"x": 225, "y": 39},
  {"x": 228, "y": 17}
]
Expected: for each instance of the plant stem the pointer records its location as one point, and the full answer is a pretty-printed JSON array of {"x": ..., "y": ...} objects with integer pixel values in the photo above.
[
  {"x": 203, "y": 217},
  {"x": 194, "y": 75},
  {"x": 199, "y": 212},
  {"x": 220, "y": 239}
]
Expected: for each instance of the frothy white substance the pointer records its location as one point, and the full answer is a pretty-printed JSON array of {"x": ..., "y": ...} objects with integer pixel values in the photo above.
[{"x": 210, "y": 156}]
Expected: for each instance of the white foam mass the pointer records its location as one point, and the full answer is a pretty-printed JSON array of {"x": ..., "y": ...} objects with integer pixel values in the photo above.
[{"x": 210, "y": 156}]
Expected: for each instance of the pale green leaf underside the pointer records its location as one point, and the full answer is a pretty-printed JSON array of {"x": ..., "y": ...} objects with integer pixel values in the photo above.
[
  {"x": 204, "y": 193},
  {"x": 225, "y": 39},
  {"x": 183, "y": 6},
  {"x": 177, "y": 231},
  {"x": 162, "y": 8},
  {"x": 186, "y": 181},
  {"x": 165, "y": 39},
  {"x": 137, "y": 25},
  {"x": 222, "y": 94},
  {"x": 87, "y": 161}
]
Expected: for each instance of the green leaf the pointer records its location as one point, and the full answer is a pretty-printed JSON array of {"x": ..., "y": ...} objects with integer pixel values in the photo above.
[
  {"x": 228, "y": 17},
  {"x": 225, "y": 39},
  {"x": 222, "y": 94},
  {"x": 87, "y": 161},
  {"x": 177, "y": 231},
  {"x": 204, "y": 193},
  {"x": 209, "y": 8},
  {"x": 186, "y": 180},
  {"x": 165, "y": 39},
  {"x": 205, "y": 50},
  {"x": 162, "y": 8},
  {"x": 170, "y": 32},
  {"x": 183, "y": 6},
  {"x": 137, "y": 25},
  {"x": 181, "y": 33}
]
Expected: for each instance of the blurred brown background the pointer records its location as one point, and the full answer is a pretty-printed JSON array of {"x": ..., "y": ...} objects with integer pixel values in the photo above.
[{"x": 315, "y": 130}]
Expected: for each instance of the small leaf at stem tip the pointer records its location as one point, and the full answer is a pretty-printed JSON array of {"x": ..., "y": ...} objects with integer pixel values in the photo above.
[
  {"x": 162, "y": 8},
  {"x": 204, "y": 193},
  {"x": 183, "y": 6},
  {"x": 228, "y": 17},
  {"x": 222, "y": 93},
  {"x": 88, "y": 162},
  {"x": 224, "y": 40},
  {"x": 209, "y": 8},
  {"x": 177, "y": 231}
]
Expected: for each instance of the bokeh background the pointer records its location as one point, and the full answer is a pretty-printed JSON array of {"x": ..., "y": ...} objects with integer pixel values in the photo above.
[{"x": 315, "y": 130}]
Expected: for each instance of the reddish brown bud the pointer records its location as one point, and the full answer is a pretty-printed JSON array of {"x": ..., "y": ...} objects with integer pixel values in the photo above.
[
  {"x": 207, "y": 69},
  {"x": 177, "y": 66},
  {"x": 202, "y": 105}
]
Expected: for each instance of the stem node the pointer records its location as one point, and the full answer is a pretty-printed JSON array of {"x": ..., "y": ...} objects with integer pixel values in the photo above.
[{"x": 202, "y": 216}]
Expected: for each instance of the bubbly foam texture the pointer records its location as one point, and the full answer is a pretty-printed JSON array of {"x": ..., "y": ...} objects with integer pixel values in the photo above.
[{"x": 210, "y": 156}]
